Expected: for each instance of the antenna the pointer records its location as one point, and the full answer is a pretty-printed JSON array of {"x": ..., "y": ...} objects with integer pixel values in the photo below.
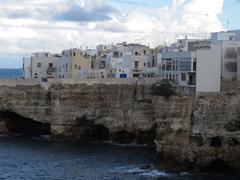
[{"x": 228, "y": 25}]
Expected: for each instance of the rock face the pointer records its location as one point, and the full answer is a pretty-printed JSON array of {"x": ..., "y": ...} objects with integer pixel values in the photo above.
[
  {"x": 190, "y": 133},
  {"x": 215, "y": 131},
  {"x": 123, "y": 113}
]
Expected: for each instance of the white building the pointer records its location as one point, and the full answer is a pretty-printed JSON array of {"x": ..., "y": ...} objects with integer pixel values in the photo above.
[
  {"x": 27, "y": 68},
  {"x": 100, "y": 62},
  {"x": 93, "y": 74},
  {"x": 179, "y": 67},
  {"x": 238, "y": 62},
  {"x": 127, "y": 60},
  {"x": 118, "y": 62},
  {"x": 219, "y": 37},
  {"x": 71, "y": 62},
  {"x": 63, "y": 65},
  {"x": 41, "y": 65},
  {"x": 208, "y": 70},
  {"x": 229, "y": 47}
]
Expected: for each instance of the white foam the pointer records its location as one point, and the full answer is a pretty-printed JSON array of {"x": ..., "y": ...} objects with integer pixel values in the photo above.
[{"x": 141, "y": 172}]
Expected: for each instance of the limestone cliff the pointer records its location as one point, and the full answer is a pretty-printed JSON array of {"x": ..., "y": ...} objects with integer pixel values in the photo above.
[
  {"x": 123, "y": 113},
  {"x": 189, "y": 133}
]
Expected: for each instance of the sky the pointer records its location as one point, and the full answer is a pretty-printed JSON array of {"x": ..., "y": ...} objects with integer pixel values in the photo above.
[{"x": 28, "y": 26}]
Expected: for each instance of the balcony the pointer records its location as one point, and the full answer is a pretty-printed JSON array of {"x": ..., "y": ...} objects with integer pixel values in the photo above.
[{"x": 51, "y": 70}]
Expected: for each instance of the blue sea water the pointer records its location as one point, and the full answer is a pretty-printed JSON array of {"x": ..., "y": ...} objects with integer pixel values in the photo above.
[
  {"x": 26, "y": 158},
  {"x": 10, "y": 73}
]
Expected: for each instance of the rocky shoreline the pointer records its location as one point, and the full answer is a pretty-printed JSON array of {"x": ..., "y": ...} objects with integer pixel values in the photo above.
[{"x": 190, "y": 134}]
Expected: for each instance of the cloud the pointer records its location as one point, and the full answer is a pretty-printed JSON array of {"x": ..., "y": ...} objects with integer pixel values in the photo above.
[
  {"x": 79, "y": 14},
  {"x": 54, "y": 10},
  {"x": 53, "y": 25},
  {"x": 113, "y": 26}
]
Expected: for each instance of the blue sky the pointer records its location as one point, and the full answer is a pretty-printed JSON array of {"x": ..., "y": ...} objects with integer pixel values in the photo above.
[
  {"x": 231, "y": 13},
  {"x": 54, "y": 25}
]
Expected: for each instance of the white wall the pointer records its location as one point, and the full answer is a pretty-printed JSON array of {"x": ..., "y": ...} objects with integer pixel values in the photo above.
[
  {"x": 27, "y": 68},
  {"x": 63, "y": 67},
  {"x": 226, "y": 74},
  {"x": 238, "y": 64},
  {"x": 209, "y": 70},
  {"x": 44, "y": 59}
]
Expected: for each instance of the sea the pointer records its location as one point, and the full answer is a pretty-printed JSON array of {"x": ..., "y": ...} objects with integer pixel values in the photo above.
[
  {"x": 23, "y": 158},
  {"x": 10, "y": 73}
]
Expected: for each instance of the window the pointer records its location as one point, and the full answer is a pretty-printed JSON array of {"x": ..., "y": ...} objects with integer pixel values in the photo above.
[
  {"x": 50, "y": 64},
  {"x": 79, "y": 68},
  {"x": 102, "y": 64},
  {"x": 115, "y": 54},
  {"x": 74, "y": 53},
  {"x": 66, "y": 67},
  {"x": 136, "y": 53},
  {"x": 39, "y": 65},
  {"x": 144, "y": 64},
  {"x": 169, "y": 67},
  {"x": 75, "y": 66},
  {"x": 194, "y": 66},
  {"x": 183, "y": 76},
  {"x": 163, "y": 67},
  {"x": 185, "y": 65},
  {"x": 136, "y": 65}
]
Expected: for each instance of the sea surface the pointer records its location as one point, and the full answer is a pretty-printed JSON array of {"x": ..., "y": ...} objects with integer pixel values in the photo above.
[
  {"x": 30, "y": 158},
  {"x": 10, "y": 73}
]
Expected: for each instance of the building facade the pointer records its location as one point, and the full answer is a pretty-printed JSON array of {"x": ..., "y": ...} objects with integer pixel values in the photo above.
[
  {"x": 71, "y": 62},
  {"x": 229, "y": 52},
  {"x": 209, "y": 70},
  {"x": 41, "y": 65},
  {"x": 179, "y": 67}
]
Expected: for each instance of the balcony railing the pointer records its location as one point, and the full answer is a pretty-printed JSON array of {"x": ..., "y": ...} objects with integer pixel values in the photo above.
[{"x": 51, "y": 70}]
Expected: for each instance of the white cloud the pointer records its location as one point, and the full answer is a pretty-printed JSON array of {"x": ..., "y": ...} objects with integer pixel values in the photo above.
[{"x": 34, "y": 27}]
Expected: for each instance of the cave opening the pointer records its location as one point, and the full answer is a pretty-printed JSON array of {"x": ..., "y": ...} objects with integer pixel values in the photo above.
[
  {"x": 86, "y": 130},
  {"x": 17, "y": 124},
  {"x": 216, "y": 142}
]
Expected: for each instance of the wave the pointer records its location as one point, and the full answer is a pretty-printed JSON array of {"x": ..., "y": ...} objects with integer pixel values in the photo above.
[{"x": 141, "y": 171}]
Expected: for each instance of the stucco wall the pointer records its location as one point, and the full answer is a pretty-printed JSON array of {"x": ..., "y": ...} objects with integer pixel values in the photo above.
[{"x": 209, "y": 70}]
